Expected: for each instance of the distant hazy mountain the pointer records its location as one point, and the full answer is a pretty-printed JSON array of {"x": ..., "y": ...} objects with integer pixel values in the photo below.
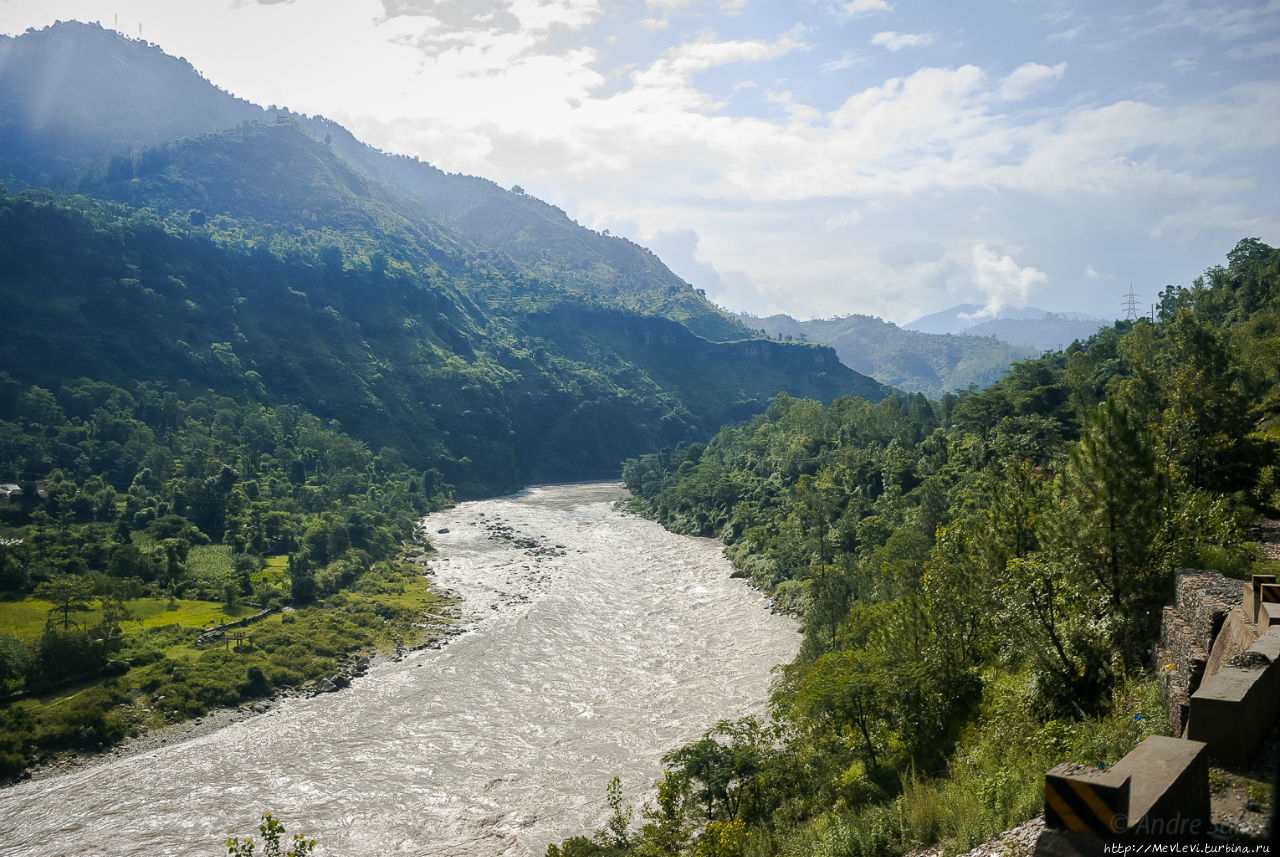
[
  {"x": 929, "y": 363},
  {"x": 1027, "y": 326},
  {"x": 155, "y": 230}
]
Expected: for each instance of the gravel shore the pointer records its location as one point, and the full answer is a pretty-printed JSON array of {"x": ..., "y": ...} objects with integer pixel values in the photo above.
[{"x": 149, "y": 739}]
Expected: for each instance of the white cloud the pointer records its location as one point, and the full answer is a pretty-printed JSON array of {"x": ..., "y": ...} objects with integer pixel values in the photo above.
[
  {"x": 1001, "y": 279},
  {"x": 545, "y": 14},
  {"x": 855, "y": 8},
  {"x": 843, "y": 220},
  {"x": 1227, "y": 22},
  {"x": 895, "y": 42},
  {"x": 1066, "y": 35},
  {"x": 1090, "y": 273},
  {"x": 845, "y": 60},
  {"x": 666, "y": 86},
  {"x": 1029, "y": 78}
]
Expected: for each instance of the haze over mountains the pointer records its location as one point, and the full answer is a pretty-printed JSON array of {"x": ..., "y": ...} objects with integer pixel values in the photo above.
[
  {"x": 209, "y": 243},
  {"x": 928, "y": 363},
  {"x": 1027, "y": 326}
]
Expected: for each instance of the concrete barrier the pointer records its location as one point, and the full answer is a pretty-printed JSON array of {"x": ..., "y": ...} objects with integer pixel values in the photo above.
[
  {"x": 1238, "y": 634},
  {"x": 1159, "y": 790},
  {"x": 1252, "y": 594},
  {"x": 1169, "y": 788},
  {"x": 1233, "y": 710},
  {"x": 1268, "y": 615},
  {"x": 1086, "y": 800}
]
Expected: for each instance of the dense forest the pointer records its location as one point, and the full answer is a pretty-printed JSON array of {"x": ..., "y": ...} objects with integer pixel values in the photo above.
[
  {"x": 456, "y": 364},
  {"x": 980, "y": 578},
  {"x": 154, "y": 515}
]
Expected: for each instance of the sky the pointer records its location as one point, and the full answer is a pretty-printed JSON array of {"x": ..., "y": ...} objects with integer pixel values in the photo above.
[{"x": 815, "y": 157}]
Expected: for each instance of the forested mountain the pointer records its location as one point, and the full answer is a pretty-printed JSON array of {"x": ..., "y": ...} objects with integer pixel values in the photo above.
[
  {"x": 928, "y": 363},
  {"x": 980, "y": 578},
  {"x": 1025, "y": 326},
  {"x": 406, "y": 303},
  {"x": 243, "y": 352},
  {"x": 81, "y": 106}
]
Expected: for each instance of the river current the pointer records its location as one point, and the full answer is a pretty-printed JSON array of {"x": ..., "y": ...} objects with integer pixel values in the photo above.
[{"x": 596, "y": 642}]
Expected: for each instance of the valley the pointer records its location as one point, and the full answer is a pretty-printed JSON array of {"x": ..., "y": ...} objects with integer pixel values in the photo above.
[{"x": 272, "y": 402}]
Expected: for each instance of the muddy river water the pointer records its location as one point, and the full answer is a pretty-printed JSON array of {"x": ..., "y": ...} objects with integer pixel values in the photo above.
[{"x": 596, "y": 642}]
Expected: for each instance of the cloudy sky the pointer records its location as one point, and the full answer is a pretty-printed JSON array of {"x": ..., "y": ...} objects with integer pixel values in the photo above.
[{"x": 818, "y": 157}]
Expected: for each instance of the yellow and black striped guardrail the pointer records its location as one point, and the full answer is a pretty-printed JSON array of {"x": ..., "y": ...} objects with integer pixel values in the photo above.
[
  {"x": 1269, "y": 593},
  {"x": 1252, "y": 605},
  {"x": 1086, "y": 804}
]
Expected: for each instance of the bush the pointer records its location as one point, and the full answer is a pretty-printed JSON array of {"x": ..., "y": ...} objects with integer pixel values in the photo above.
[
  {"x": 255, "y": 683},
  {"x": 83, "y": 721}
]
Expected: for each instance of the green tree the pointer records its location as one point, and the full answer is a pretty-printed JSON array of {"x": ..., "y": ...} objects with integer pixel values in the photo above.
[
  {"x": 302, "y": 579},
  {"x": 1119, "y": 498},
  {"x": 848, "y": 691},
  {"x": 68, "y": 594},
  {"x": 615, "y": 829},
  {"x": 724, "y": 768}
]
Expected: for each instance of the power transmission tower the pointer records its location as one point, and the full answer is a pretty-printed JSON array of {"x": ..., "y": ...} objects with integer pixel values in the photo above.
[{"x": 1131, "y": 305}]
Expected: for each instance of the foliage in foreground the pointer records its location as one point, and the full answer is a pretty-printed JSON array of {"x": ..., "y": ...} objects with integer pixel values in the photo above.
[
  {"x": 979, "y": 579},
  {"x": 272, "y": 830}
]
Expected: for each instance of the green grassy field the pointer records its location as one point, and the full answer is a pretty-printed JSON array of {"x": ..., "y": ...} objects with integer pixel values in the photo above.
[{"x": 26, "y": 618}]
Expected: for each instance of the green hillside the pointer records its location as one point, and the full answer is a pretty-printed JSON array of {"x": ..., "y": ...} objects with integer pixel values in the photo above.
[
  {"x": 75, "y": 93},
  {"x": 398, "y": 350}
]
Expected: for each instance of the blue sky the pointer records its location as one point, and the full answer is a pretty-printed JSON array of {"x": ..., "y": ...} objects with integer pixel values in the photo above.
[{"x": 818, "y": 157}]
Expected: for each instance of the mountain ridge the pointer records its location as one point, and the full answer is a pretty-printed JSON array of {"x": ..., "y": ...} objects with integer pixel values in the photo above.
[
  {"x": 932, "y": 364},
  {"x": 536, "y": 235}
]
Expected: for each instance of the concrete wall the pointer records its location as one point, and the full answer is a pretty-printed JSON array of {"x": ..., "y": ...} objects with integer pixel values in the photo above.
[{"x": 1233, "y": 710}]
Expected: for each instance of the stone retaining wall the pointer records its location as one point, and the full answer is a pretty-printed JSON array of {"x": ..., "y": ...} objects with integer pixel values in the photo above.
[{"x": 1202, "y": 602}]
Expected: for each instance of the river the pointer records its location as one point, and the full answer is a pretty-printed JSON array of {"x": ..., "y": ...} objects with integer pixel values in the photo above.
[{"x": 596, "y": 642}]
